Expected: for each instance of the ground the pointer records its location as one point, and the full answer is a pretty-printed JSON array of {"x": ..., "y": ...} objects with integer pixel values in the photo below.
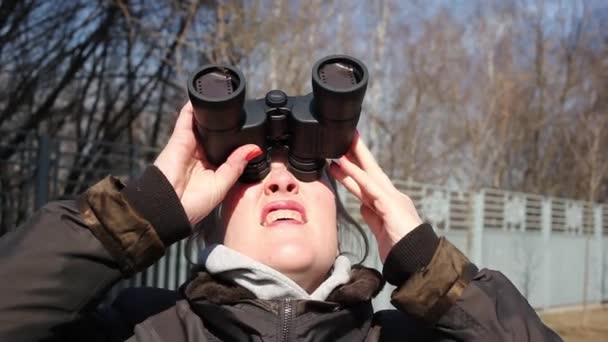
[{"x": 574, "y": 326}]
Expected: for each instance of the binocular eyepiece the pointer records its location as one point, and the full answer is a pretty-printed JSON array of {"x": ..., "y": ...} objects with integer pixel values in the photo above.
[{"x": 312, "y": 127}]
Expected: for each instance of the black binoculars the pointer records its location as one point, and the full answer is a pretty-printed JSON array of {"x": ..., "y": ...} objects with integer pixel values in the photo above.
[{"x": 312, "y": 127}]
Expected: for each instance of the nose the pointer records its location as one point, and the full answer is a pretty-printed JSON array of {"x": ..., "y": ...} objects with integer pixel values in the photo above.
[{"x": 281, "y": 180}]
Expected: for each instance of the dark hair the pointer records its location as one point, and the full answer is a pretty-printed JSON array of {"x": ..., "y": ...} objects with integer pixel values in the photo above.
[{"x": 205, "y": 231}]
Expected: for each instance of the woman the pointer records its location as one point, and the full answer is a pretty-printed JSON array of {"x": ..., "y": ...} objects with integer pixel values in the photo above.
[{"x": 277, "y": 274}]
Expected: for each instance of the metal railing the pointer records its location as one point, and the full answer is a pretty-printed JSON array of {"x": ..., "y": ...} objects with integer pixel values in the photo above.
[
  {"x": 552, "y": 249},
  {"x": 44, "y": 168}
]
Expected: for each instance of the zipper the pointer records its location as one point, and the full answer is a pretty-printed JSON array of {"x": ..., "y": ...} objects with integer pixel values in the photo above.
[{"x": 287, "y": 313}]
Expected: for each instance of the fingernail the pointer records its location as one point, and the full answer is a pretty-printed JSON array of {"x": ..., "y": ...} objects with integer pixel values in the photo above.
[
  {"x": 339, "y": 161},
  {"x": 336, "y": 162},
  {"x": 357, "y": 132},
  {"x": 253, "y": 154}
]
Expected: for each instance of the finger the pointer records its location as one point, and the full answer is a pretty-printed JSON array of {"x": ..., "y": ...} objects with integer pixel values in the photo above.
[
  {"x": 372, "y": 219},
  {"x": 367, "y": 162},
  {"x": 366, "y": 159},
  {"x": 229, "y": 172},
  {"x": 183, "y": 134},
  {"x": 185, "y": 118},
  {"x": 364, "y": 181},
  {"x": 338, "y": 174}
]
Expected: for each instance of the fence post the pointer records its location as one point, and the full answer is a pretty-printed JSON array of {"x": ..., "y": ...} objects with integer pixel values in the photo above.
[
  {"x": 598, "y": 230},
  {"x": 43, "y": 167},
  {"x": 478, "y": 218},
  {"x": 133, "y": 153},
  {"x": 546, "y": 263}
]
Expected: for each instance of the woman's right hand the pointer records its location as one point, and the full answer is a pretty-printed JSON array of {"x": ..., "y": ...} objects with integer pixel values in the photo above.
[{"x": 198, "y": 185}]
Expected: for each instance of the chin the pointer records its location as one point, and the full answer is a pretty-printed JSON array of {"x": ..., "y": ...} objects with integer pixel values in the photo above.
[{"x": 292, "y": 257}]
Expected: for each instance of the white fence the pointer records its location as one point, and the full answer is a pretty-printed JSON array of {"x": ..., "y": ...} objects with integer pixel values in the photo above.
[{"x": 550, "y": 248}]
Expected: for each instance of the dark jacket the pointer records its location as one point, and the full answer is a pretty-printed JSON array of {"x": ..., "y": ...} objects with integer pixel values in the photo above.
[{"x": 56, "y": 268}]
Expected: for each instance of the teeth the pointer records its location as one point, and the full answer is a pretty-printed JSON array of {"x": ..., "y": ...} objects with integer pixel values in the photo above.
[{"x": 283, "y": 214}]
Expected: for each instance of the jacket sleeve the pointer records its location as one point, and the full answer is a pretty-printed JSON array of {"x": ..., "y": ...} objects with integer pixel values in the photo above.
[
  {"x": 51, "y": 268},
  {"x": 58, "y": 266},
  {"x": 442, "y": 287}
]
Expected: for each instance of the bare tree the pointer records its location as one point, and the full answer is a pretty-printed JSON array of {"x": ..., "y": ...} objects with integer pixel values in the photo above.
[{"x": 487, "y": 94}]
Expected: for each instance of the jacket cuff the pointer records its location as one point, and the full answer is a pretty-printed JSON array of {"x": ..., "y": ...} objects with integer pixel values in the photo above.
[
  {"x": 128, "y": 237},
  {"x": 154, "y": 198},
  {"x": 431, "y": 291},
  {"x": 412, "y": 253}
]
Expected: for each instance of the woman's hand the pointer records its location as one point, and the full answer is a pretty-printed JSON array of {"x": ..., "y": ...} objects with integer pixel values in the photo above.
[
  {"x": 199, "y": 186},
  {"x": 389, "y": 213}
]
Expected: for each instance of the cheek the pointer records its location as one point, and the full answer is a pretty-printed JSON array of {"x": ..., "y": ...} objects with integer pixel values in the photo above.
[
  {"x": 241, "y": 199},
  {"x": 325, "y": 201}
]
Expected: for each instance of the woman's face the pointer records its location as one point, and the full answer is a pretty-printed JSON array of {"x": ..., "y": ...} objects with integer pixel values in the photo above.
[{"x": 284, "y": 223}]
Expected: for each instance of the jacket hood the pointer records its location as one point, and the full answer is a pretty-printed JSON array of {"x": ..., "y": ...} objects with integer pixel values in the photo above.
[
  {"x": 363, "y": 285},
  {"x": 264, "y": 281}
]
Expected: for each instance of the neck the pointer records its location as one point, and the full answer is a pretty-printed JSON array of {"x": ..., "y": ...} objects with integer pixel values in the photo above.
[
  {"x": 309, "y": 281},
  {"x": 268, "y": 283}
]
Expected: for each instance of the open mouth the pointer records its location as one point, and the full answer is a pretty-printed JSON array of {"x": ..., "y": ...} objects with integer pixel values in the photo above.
[
  {"x": 281, "y": 215},
  {"x": 278, "y": 212}
]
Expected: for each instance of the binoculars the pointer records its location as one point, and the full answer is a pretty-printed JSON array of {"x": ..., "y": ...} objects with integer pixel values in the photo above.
[{"x": 312, "y": 127}]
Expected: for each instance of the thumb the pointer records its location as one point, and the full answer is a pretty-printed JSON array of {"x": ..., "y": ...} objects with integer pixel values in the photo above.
[{"x": 230, "y": 171}]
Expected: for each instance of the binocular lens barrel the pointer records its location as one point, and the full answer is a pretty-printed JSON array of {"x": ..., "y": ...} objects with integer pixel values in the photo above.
[
  {"x": 338, "y": 84},
  {"x": 217, "y": 94}
]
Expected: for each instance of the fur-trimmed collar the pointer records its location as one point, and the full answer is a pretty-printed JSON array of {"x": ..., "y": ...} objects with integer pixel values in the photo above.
[{"x": 364, "y": 284}]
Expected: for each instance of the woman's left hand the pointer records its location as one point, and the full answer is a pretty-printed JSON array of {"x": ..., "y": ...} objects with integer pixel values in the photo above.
[{"x": 389, "y": 213}]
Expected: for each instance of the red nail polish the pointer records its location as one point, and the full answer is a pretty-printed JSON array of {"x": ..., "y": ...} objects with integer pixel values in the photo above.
[{"x": 253, "y": 154}]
